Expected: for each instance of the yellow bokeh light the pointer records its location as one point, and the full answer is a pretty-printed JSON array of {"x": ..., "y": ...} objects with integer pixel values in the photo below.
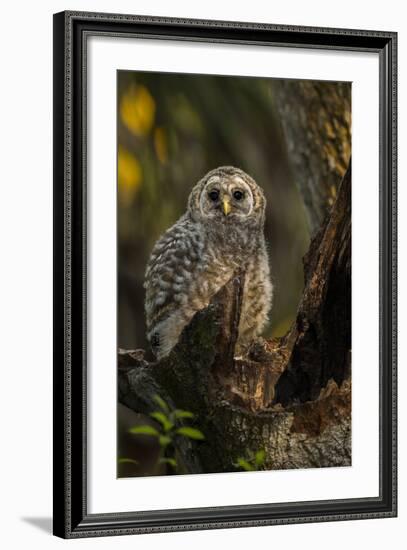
[
  {"x": 129, "y": 175},
  {"x": 160, "y": 144},
  {"x": 137, "y": 110}
]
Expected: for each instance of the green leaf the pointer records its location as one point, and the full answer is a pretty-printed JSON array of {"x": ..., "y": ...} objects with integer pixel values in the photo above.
[
  {"x": 161, "y": 403},
  {"x": 171, "y": 461},
  {"x": 192, "y": 433},
  {"x": 259, "y": 457},
  {"x": 242, "y": 463},
  {"x": 163, "y": 420},
  {"x": 164, "y": 440},
  {"x": 128, "y": 461},
  {"x": 179, "y": 413},
  {"x": 144, "y": 430}
]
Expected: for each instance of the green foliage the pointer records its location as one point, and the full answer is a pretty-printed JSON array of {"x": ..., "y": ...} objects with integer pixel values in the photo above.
[
  {"x": 145, "y": 430},
  {"x": 164, "y": 440},
  {"x": 161, "y": 403},
  {"x": 178, "y": 413},
  {"x": 260, "y": 457},
  {"x": 163, "y": 419},
  {"x": 171, "y": 461},
  {"x": 192, "y": 433},
  {"x": 244, "y": 465},
  {"x": 128, "y": 461},
  {"x": 169, "y": 430},
  {"x": 253, "y": 462}
]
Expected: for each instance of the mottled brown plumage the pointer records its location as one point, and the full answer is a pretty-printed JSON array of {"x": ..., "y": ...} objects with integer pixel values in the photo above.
[{"x": 220, "y": 233}]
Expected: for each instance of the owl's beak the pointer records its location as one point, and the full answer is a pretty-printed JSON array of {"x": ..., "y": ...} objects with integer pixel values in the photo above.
[{"x": 226, "y": 206}]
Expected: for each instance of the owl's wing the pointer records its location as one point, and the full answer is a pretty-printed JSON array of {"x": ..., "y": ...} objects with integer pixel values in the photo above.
[{"x": 171, "y": 267}]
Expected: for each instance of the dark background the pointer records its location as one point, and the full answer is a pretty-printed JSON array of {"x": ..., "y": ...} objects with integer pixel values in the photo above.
[{"x": 172, "y": 129}]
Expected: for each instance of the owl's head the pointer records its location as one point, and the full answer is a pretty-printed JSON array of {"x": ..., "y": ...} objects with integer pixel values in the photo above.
[{"x": 227, "y": 195}]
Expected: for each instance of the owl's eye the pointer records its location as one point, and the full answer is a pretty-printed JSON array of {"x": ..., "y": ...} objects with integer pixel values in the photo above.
[
  {"x": 213, "y": 195},
  {"x": 238, "y": 195}
]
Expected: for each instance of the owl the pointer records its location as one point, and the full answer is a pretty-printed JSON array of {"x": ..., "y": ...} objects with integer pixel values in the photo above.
[{"x": 221, "y": 232}]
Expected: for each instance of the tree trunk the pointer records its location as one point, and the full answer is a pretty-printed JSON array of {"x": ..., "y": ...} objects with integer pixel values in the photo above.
[
  {"x": 316, "y": 120},
  {"x": 291, "y": 396}
]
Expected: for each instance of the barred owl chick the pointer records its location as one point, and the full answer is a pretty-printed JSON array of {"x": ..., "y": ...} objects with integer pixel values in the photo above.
[{"x": 221, "y": 232}]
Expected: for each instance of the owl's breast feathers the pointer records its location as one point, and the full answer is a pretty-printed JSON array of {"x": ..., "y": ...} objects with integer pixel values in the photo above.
[{"x": 188, "y": 265}]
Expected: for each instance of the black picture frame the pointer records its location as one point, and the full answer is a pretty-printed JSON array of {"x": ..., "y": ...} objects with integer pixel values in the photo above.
[{"x": 71, "y": 518}]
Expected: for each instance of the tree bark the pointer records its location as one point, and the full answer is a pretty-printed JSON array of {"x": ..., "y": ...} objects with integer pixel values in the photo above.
[
  {"x": 290, "y": 396},
  {"x": 316, "y": 120}
]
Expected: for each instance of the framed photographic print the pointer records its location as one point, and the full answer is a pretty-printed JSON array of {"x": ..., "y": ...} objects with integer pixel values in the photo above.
[{"x": 224, "y": 274}]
